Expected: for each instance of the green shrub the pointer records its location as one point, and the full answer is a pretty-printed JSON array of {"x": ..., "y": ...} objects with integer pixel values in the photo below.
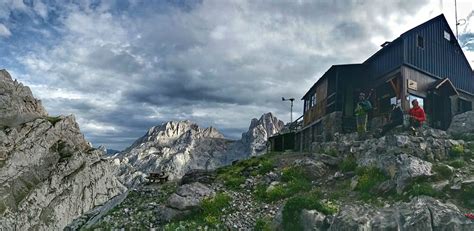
[
  {"x": 266, "y": 166},
  {"x": 332, "y": 152},
  {"x": 292, "y": 174},
  {"x": 263, "y": 224},
  {"x": 369, "y": 177},
  {"x": 467, "y": 197},
  {"x": 418, "y": 189},
  {"x": 213, "y": 206},
  {"x": 457, "y": 150},
  {"x": 293, "y": 207},
  {"x": 442, "y": 171},
  {"x": 459, "y": 163},
  {"x": 348, "y": 164},
  {"x": 295, "y": 181},
  {"x": 232, "y": 176},
  {"x": 208, "y": 215},
  {"x": 464, "y": 136},
  {"x": 53, "y": 119}
]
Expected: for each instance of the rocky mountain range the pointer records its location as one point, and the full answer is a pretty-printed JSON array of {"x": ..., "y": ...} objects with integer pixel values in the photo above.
[
  {"x": 176, "y": 147},
  {"x": 49, "y": 174}
]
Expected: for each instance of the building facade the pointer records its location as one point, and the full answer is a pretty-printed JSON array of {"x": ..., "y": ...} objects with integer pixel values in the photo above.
[{"x": 425, "y": 63}]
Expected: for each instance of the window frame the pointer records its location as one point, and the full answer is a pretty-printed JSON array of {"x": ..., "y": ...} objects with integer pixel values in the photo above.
[{"x": 423, "y": 43}]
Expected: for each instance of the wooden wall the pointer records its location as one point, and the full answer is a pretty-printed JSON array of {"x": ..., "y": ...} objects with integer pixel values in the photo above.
[{"x": 318, "y": 110}]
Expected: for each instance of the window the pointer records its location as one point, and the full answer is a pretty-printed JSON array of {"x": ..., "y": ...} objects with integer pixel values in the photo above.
[
  {"x": 447, "y": 36},
  {"x": 420, "y": 41},
  {"x": 464, "y": 105},
  {"x": 313, "y": 100}
]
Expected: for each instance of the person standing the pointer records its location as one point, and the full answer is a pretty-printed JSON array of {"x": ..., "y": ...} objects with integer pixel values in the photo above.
[{"x": 361, "y": 112}]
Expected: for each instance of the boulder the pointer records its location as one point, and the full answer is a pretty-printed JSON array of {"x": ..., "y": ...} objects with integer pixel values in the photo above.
[
  {"x": 421, "y": 213},
  {"x": 313, "y": 220},
  {"x": 198, "y": 175},
  {"x": 312, "y": 168},
  {"x": 189, "y": 196},
  {"x": 462, "y": 123}
]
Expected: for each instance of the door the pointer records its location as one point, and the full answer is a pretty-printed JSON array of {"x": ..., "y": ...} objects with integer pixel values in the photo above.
[{"x": 440, "y": 108}]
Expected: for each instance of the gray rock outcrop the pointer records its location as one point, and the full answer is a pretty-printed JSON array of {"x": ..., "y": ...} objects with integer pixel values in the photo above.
[
  {"x": 174, "y": 148},
  {"x": 255, "y": 139},
  {"x": 17, "y": 104},
  {"x": 462, "y": 123},
  {"x": 49, "y": 174},
  {"x": 179, "y": 147},
  {"x": 187, "y": 198},
  {"x": 421, "y": 213}
]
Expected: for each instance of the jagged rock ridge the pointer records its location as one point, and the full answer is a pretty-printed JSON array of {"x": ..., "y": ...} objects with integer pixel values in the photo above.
[
  {"x": 178, "y": 147},
  {"x": 172, "y": 147},
  {"x": 17, "y": 104},
  {"x": 49, "y": 174}
]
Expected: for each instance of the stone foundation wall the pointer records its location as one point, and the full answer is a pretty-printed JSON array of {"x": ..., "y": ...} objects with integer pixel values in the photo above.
[{"x": 320, "y": 131}]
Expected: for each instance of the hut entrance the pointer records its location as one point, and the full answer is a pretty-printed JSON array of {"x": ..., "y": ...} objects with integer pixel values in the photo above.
[{"x": 439, "y": 104}]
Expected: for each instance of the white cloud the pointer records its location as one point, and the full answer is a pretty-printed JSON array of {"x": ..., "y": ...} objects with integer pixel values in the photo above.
[
  {"x": 4, "y": 31},
  {"x": 40, "y": 8}
]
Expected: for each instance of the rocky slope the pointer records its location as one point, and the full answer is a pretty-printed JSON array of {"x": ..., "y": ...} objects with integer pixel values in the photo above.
[
  {"x": 396, "y": 182},
  {"x": 178, "y": 147},
  {"x": 49, "y": 174},
  {"x": 173, "y": 147},
  {"x": 17, "y": 104}
]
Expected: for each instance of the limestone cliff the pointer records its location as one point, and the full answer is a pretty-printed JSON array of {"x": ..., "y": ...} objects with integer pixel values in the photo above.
[
  {"x": 49, "y": 174},
  {"x": 178, "y": 147},
  {"x": 172, "y": 147},
  {"x": 17, "y": 104}
]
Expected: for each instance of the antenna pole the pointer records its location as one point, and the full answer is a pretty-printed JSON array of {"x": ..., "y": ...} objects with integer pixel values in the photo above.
[
  {"x": 291, "y": 111},
  {"x": 456, "y": 16}
]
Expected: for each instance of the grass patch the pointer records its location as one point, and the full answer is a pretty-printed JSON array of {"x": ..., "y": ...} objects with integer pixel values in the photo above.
[
  {"x": 137, "y": 203},
  {"x": 467, "y": 197},
  {"x": 423, "y": 188},
  {"x": 266, "y": 166},
  {"x": 348, "y": 164},
  {"x": 456, "y": 150},
  {"x": 369, "y": 177},
  {"x": 293, "y": 207},
  {"x": 465, "y": 137},
  {"x": 234, "y": 175},
  {"x": 207, "y": 215},
  {"x": 459, "y": 163},
  {"x": 332, "y": 152},
  {"x": 53, "y": 119},
  {"x": 293, "y": 181},
  {"x": 263, "y": 224},
  {"x": 442, "y": 171}
]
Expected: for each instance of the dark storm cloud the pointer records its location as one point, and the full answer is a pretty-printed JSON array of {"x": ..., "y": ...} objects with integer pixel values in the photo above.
[{"x": 124, "y": 66}]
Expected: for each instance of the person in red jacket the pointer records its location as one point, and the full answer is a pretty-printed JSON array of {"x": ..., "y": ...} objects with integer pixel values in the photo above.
[{"x": 417, "y": 115}]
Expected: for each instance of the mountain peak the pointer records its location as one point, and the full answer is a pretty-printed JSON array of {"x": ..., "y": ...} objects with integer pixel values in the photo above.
[{"x": 18, "y": 103}]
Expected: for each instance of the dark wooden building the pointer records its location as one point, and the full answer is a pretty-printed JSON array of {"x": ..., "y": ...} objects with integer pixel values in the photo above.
[{"x": 424, "y": 63}]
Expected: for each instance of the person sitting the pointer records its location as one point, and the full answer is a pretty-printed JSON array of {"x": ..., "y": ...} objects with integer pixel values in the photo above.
[
  {"x": 396, "y": 118},
  {"x": 417, "y": 115}
]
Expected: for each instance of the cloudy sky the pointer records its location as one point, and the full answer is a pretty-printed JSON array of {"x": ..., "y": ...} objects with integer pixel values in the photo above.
[{"x": 124, "y": 66}]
